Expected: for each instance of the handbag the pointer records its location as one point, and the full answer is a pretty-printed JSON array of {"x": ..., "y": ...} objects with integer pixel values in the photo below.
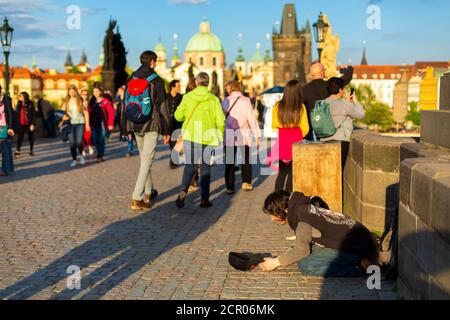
[
  {"x": 4, "y": 132},
  {"x": 179, "y": 145},
  {"x": 65, "y": 130}
]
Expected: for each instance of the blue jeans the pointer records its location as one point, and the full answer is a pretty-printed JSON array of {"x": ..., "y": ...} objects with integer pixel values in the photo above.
[
  {"x": 130, "y": 144},
  {"x": 195, "y": 155},
  {"x": 98, "y": 139},
  {"x": 7, "y": 158},
  {"x": 76, "y": 140},
  {"x": 329, "y": 263}
]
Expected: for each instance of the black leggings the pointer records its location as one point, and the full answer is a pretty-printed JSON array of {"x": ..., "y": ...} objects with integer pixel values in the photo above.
[
  {"x": 284, "y": 179},
  {"x": 230, "y": 168},
  {"x": 21, "y": 133}
]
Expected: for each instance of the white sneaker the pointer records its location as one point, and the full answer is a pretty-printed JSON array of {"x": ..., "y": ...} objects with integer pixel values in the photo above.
[
  {"x": 73, "y": 164},
  {"x": 82, "y": 161}
]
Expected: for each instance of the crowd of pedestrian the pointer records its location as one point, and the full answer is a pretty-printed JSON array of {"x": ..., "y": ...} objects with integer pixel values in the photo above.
[{"x": 194, "y": 125}]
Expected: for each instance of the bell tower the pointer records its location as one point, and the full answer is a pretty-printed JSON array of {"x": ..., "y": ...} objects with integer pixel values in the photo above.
[{"x": 292, "y": 48}]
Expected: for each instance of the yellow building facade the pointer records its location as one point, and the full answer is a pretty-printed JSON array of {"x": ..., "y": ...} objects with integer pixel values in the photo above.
[{"x": 429, "y": 91}]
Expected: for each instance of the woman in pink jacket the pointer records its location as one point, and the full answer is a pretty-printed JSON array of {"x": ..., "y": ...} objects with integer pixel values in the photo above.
[
  {"x": 241, "y": 131},
  {"x": 101, "y": 116}
]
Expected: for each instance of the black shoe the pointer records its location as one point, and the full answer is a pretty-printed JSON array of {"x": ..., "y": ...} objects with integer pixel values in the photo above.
[
  {"x": 180, "y": 200},
  {"x": 154, "y": 194},
  {"x": 230, "y": 192},
  {"x": 205, "y": 204},
  {"x": 31, "y": 154}
]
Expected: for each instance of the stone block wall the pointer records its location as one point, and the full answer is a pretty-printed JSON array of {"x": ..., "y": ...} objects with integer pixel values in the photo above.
[
  {"x": 371, "y": 178},
  {"x": 424, "y": 229},
  {"x": 424, "y": 217}
]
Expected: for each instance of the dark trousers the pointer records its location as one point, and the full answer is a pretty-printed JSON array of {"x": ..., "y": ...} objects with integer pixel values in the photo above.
[
  {"x": 50, "y": 125},
  {"x": 230, "y": 167},
  {"x": 98, "y": 139},
  {"x": 193, "y": 158},
  {"x": 21, "y": 133},
  {"x": 284, "y": 179},
  {"x": 7, "y": 158},
  {"x": 76, "y": 140}
]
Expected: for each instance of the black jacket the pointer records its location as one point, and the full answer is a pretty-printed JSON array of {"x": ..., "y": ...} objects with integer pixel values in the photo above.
[
  {"x": 31, "y": 114},
  {"x": 160, "y": 117},
  {"x": 316, "y": 90},
  {"x": 337, "y": 232},
  {"x": 9, "y": 112},
  {"x": 173, "y": 103}
]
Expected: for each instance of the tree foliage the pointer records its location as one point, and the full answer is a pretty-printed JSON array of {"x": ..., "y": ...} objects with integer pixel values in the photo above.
[
  {"x": 377, "y": 114},
  {"x": 413, "y": 113}
]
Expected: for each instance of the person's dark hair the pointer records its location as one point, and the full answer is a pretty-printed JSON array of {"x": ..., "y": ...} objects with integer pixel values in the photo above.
[
  {"x": 290, "y": 107},
  {"x": 319, "y": 202},
  {"x": 334, "y": 85},
  {"x": 276, "y": 204},
  {"x": 147, "y": 57},
  {"x": 1, "y": 88},
  {"x": 97, "y": 85},
  {"x": 173, "y": 83}
]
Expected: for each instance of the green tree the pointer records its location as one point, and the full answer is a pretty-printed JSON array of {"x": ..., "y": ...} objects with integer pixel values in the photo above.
[
  {"x": 380, "y": 115},
  {"x": 413, "y": 113},
  {"x": 377, "y": 113}
]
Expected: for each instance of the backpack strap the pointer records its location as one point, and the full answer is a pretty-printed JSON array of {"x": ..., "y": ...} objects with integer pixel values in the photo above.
[{"x": 152, "y": 77}]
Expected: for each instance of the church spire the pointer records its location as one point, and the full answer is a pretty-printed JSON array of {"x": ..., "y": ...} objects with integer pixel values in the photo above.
[
  {"x": 308, "y": 27},
  {"x": 364, "y": 58},
  {"x": 83, "y": 59},
  {"x": 289, "y": 26},
  {"x": 240, "y": 57},
  {"x": 69, "y": 62}
]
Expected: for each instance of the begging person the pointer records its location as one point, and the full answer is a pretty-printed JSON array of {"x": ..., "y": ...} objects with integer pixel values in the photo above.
[{"x": 328, "y": 244}]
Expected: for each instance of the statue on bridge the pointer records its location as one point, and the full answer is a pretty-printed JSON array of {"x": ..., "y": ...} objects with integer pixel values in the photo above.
[{"x": 330, "y": 49}]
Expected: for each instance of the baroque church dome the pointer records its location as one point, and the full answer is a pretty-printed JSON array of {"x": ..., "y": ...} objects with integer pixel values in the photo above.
[{"x": 205, "y": 40}]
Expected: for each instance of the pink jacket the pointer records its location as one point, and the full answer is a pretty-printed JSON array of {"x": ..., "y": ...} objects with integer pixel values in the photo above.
[{"x": 241, "y": 128}]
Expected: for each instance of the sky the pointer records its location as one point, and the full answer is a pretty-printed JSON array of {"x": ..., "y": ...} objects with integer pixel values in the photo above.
[{"x": 410, "y": 30}]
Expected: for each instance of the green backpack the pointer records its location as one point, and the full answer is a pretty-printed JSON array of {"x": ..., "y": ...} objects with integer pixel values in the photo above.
[{"x": 322, "y": 120}]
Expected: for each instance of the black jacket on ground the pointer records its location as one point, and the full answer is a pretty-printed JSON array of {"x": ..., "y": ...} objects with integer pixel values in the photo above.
[
  {"x": 9, "y": 112},
  {"x": 160, "y": 117},
  {"x": 316, "y": 90},
  {"x": 31, "y": 114},
  {"x": 338, "y": 232}
]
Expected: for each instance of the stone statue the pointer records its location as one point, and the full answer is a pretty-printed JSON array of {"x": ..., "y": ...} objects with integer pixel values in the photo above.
[
  {"x": 115, "y": 60},
  {"x": 330, "y": 49},
  {"x": 108, "y": 46}
]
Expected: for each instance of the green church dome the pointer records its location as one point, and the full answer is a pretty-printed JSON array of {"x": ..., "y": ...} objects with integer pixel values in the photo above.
[
  {"x": 258, "y": 56},
  {"x": 205, "y": 40}
]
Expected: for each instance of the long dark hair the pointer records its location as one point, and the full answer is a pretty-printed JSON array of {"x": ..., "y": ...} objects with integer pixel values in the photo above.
[
  {"x": 27, "y": 101},
  {"x": 93, "y": 99},
  {"x": 290, "y": 107},
  {"x": 276, "y": 204}
]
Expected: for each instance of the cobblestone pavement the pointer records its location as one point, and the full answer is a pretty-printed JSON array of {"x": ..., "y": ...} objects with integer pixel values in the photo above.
[{"x": 52, "y": 217}]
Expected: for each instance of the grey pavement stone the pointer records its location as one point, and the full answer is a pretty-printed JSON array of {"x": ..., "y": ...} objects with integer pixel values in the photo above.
[{"x": 53, "y": 217}]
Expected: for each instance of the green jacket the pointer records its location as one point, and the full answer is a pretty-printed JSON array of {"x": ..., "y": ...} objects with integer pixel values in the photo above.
[{"x": 207, "y": 124}]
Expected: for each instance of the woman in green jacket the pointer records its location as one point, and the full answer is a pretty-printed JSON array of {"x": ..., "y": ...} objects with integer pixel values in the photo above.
[{"x": 203, "y": 129}]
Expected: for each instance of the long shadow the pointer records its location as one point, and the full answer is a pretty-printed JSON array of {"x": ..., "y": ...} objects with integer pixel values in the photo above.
[
  {"x": 113, "y": 152},
  {"x": 129, "y": 245}
]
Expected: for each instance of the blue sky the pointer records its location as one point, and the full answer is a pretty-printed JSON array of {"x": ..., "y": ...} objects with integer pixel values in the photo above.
[{"x": 414, "y": 30}]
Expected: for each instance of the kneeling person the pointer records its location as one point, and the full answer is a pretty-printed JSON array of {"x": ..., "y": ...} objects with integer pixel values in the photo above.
[{"x": 328, "y": 244}]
